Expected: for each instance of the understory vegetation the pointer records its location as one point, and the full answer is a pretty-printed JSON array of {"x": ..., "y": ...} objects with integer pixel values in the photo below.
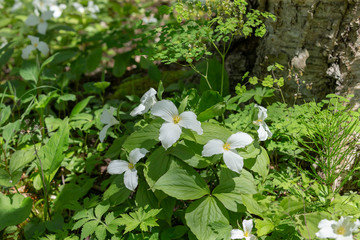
[{"x": 118, "y": 121}]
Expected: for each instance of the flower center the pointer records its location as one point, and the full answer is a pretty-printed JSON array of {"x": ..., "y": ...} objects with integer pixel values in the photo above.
[
  {"x": 176, "y": 119},
  {"x": 246, "y": 234},
  {"x": 35, "y": 45},
  {"x": 42, "y": 20},
  {"x": 226, "y": 147},
  {"x": 131, "y": 166},
  {"x": 340, "y": 230}
]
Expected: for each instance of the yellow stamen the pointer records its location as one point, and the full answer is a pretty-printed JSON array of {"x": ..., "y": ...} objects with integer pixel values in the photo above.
[
  {"x": 176, "y": 119},
  {"x": 131, "y": 166},
  {"x": 340, "y": 231},
  {"x": 42, "y": 20},
  {"x": 226, "y": 147},
  {"x": 35, "y": 44},
  {"x": 246, "y": 234}
]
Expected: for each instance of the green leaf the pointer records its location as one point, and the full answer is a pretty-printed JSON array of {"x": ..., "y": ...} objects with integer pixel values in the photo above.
[
  {"x": 100, "y": 232},
  {"x": 262, "y": 163},
  {"x": 10, "y": 130},
  {"x": 101, "y": 209},
  {"x": 229, "y": 192},
  {"x": 251, "y": 205},
  {"x": 121, "y": 62},
  {"x": 160, "y": 90},
  {"x": 102, "y": 85},
  {"x": 47, "y": 61},
  {"x": 117, "y": 193},
  {"x": 51, "y": 154},
  {"x": 291, "y": 205},
  {"x": 201, "y": 213},
  {"x": 173, "y": 232},
  {"x": 4, "y": 114},
  {"x": 93, "y": 60},
  {"x": 88, "y": 229},
  {"x": 80, "y": 106},
  {"x": 214, "y": 111},
  {"x": 8, "y": 180},
  {"x": 208, "y": 99},
  {"x": 190, "y": 152},
  {"x": 144, "y": 138},
  {"x": 182, "y": 184},
  {"x": 264, "y": 227},
  {"x": 62, "y": 56},
  {"x": 211, "y": 131},
  {"x": 20, "y": 158},
  {"x": 6, "y": 56},
  {"x": 309, "y": 227},
  {"x": 14, "y": 209},
  {"x": 29, "y": 71}
]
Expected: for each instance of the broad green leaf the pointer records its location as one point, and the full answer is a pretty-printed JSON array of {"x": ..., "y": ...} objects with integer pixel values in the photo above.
[
  {"x": 264, "y": 227},
  {"x": 291, "y": 205},
  {"x": 201, "y": 213},
  {"x": 208, "y": 99},
  {"x": 173, "y": 232},
  {"x": 102, "y": 85},
  {"x": 222, "y": 229},
  {"x": 100, "y": 232},
  {"x": 211, "y": 131},
  {"x": 80, "y": 106},
  {"x": 29, "y": 71},
  {"x": 229, "y": 192},
  {"x": 4, "y": 58},
  {"x": 4, "y": 114},
  {"x": 62, "y": 56},
  {"x": 190, "y": 152},
  {"x": 20, "y": 158},
  {"x": 14, "y": 209},
  {"x": 214, "y": 111},
  {"x": 144, "y": 138},
  {"x": 251, "y": 205},
  {"x": 117, "y": 192},
  {"x": 182, "y": 184},
  {"x": 47, "y": 61},
  {"x": 93, "y": 59},
  {"x": 214, "y": 73},
  {"x": 121, "y": 62},
  {"x": 10, "y": 130},
  {"x": 9, "y": 180},
  {"x": 309, "y": 223},
  {"x": 51, "y": 154},
  {"x": 101, "y": 209},
  {"x": 88, "y": 229},
  {"x": 262, "y": 163}
]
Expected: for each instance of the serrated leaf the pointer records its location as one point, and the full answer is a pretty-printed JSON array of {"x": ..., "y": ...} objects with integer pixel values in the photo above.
[
  {"x": 100, "y": 232},
  {"x": 88, "y": 229},
  {"x": 109, "y": 218},
  {"x": 79, "y": 223},
  {"x": 101, "y": 209},
  {"x": 264, "y": 227}
]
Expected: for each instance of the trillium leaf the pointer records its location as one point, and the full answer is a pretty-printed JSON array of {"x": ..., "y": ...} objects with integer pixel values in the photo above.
[
  {"x": 14, "y": 209},
  {"x": 203, "y": 212},
  {"x": 211, "y": 131},
  {"x": 182, "y": 184},
  {"x": 309, "y": 226}
]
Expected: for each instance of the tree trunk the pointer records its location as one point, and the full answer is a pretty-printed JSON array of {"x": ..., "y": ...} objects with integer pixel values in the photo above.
[{"x": 328, "y": 30}]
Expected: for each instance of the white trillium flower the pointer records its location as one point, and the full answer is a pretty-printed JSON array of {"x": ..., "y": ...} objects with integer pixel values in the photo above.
[
  {"x": 231, "y": 158},
  {"x": 239, "y": 234},
  {"x": 79, "y": 7},
  {"x": 35, "y": 44},
  {"x": 109, "y": 120},
  {"x": 92, "y": 8},
  {"x": 40, "y": 22},
  {"x": 263, "y": 131},
  {"x": 338, "y": 230},
  {"x": 170, "y": 130},
  {"x": 44, "y": 5},
  {"x": 121, "y": 166},
  {"x": 147, "y": 20},
  {"x": 146, "y": 102},
  {"x": 17, "y": 5},
  {"x": 57, "y": 10}
]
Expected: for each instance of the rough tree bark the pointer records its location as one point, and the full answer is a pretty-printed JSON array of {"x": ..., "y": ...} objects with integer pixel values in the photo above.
[{"x": 329, "y": 30}]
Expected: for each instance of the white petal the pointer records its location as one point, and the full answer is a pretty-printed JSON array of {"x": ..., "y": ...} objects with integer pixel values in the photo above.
[
  {"x": 136, "y": 154},
  {"x": 118, "y": 167},
  {"x": 237, "y": 234},
  {"x": 42, "y": 27},
  {"x": 47, "y": 15},
  {"x": 169, "y": 134},
  {"x": 239, "y": 140},
  {"x": 102, "y": 134},
  {"x": 34, "y": 40},
  {"x": 233, "y": 161},
  {"x": 138, "y": 110},
  {"x": 108, "y": 118},
  {"x": 43, "y": 48},
  {"x": 212, "y": 147},
  {"x": 188, "y": 120},
  {"x": 150, "y": 94},
  {"x": 326, "y": 231},
  {"x": 32, "y": 20},
  {"x": 26, "y": 51},
  {"x": 247, "y": 225},
  {"x": 131, "y": 179},
  {"x": 165, "y": 109},
  {"x": 262, "y": 133},
  {"x": 262, "y": 112}
]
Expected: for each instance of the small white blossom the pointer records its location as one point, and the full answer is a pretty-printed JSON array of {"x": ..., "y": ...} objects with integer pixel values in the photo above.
[
  {"x": 121, "y": 166},
  {"x": 92, "y": 8},
  {"x": 40, "y": 22},
  {"x": 17, "y": 5},
  {"x": 231, "y": 158},
  {"x": 44, "y": 5},
  {"x": 338, "y": 230},
  {"x": 263, "y": 131},
  {"x": 109, "y": 120},
  {"x": 57, "y": 10},
  {"x": 170, "y": 130},
  {"x": 247, "y": 227},
  {"x": 35, "y": 44},
  {"x": 147, "y": 20},
  {"x": 146, "y": 102}
]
